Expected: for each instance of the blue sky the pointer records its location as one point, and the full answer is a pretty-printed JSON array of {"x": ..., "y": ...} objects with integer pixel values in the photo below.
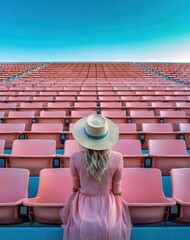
[{"x": 100, "y": 30}]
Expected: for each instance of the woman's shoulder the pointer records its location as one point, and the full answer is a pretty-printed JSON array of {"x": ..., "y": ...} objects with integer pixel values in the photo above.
[{"x": 117, "y": 155}]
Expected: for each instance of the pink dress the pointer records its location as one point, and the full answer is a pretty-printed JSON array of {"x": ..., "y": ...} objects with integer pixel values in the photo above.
[{"x": 95, "y": 211}]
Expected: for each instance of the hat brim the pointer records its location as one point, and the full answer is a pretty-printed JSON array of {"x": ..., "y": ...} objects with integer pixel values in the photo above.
[{"x": 102, "y": 144}]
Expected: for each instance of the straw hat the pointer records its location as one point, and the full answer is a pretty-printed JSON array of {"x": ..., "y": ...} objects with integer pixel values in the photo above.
[{"x": 95, "y": 132}]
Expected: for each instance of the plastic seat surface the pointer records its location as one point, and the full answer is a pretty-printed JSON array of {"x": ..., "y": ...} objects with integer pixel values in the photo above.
[
  {"x": 142, "y": 190},
  {"x": 131, "y": 151},
  {"x": 32, "y": 154},
  {"x": 11, "y": 131},
  {"x": 13, "y": 190},
  {"x": 168, "y": 154},
  {"x": 180, "y": 179},
  {"x": 55, "y": 185}
]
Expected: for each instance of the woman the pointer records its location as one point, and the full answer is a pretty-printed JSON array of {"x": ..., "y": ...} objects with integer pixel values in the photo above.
[{"x": 96, "y": 210}]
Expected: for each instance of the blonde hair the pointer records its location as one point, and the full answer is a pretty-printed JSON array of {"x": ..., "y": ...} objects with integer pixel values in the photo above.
[{"x": 96, "y": 162}]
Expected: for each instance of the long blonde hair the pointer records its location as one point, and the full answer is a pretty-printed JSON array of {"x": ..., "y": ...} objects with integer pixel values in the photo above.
[{"x": 96, "y": 162}]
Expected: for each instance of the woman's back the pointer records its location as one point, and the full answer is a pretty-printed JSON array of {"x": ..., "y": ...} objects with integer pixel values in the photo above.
[{"x": 91, "y": 186}]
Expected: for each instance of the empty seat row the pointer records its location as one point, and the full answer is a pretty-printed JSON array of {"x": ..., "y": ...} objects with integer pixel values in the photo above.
[
  {"x": 141, "y": 188},
  {"x": 37, "y": 154}
]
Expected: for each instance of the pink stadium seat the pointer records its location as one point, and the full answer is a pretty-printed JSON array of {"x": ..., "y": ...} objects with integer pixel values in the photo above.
[
  {"x": 185, "y": 131},
  {"x": 24, "y": 117},
  {"x": 13, "y": 190},
  {"x": 168, "y": 154},
  {"x": 59, "y": 106},
  {"x": 142, "y": 106},
  {"x": 18, "y": 99},
  {"x": 2, "y": 146},
  {"x": 70, "y": 147},
  {"x": 44, "y": 99},
  {"x": 55, "y": 185},
  {"x": 174, "y": 117},
  {"x": 118, "y": 116},
  {"x": 52, "y": 117},
  {"x": 160, "y": 106},
  {"x": 32, "y": 154},
  {"x": 6, "y": 107},
  {"x": 184, "y": 106},
  {"x": 142, "y": 190},
  {"x": 11, "y": 131},
  {"x": 180, "y": 179},
  {"x": 131, "y": 151},
  {"x": 142, "y": 116},
  {"x": 110, "y": 105},
  {"x": 157, "y": 131},
  {"x": 51, "y": 131},
  {"x": 128, "y": 131},
  {"x": 31, "y": 106}
]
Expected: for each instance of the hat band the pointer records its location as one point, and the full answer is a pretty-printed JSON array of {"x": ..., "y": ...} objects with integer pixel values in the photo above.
[{"x": 95, "y": 137}]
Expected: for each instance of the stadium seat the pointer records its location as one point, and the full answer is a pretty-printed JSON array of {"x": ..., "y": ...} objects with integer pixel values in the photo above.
[
  {"x": 32, "y": 154},
  {"x": 167, "y": 154},
  {"x": 52, "y": 117},
  {"x": 55, "y": 185},
  {"x": 24, "y": 117},
  {"x": 131, "y": 151},
  {"x": 142, "y": 190},
  {"x": 185, "y": 131},
  {"x": 180, "y": 179},
  {"x": 53, "y": 131},
  {"x": 128, "y": 131},
  {"x": 118, "y": 116},
  {"x": 31, "y": 106},
  {"x": 70, "y": 147},
  {"x": 142, "y": 116},
  {"x": 13, "y": 190},
  {"x": 174, "y": 117},
  {"x": 157, "y": 131},
  {"x": 11, "y": 131}
]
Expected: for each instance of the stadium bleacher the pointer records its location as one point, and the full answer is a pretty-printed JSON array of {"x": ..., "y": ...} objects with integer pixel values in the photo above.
[{"x": 39, "y": 104}]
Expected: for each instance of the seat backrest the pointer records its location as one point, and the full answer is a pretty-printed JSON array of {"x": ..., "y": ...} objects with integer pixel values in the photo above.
[
  {"x": 110, "y": 104},
  {"x": 53, "y": 114},
  {"x": 184, "y": 127},
  {"x": 136, "y": 104},
  {"x": 70, "y": 147},
  {"x": 128, "y": 147},
  {"x": 143, "y": 113},
  {"x": 167, "y": 146},
  {"x": 2, "y": 146},
  {"x": 2, "y": 114},
  {"x": 157, "y": 127},
  {"x": 161, "y": 104},
  {"x": 8, "y": 105},
  {"x": 81, "y": 113},
  {"x": 85, "y": 104},
  {"x": 141, "y": 184},
  {"x": 55, "y": 185},
  {"x": 116, "y": 113},
  {"x": 172, "y": 113},
  {"x": 58, "y": 104},
  {"x": 46, "y": 127},
  {"x": 31, "y": 105},
  {"x": 183, "y": 104},
  {"x": 180, "y": 179},
  {"x": 13, "y": 184},
  {"x": 12, "y": 127},
  {"x": 34, "y": 147},
  {"x": 127, "y": 127},
  {"x": 21, "y": 114}
]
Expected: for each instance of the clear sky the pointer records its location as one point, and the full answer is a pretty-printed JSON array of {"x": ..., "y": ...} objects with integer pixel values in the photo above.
[{"x": 99, "y": 30}]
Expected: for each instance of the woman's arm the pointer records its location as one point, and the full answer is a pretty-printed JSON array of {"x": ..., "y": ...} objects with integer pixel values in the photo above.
[
  {"x": 117, "y": 178},
  {"x": 74, "y": 173}
]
